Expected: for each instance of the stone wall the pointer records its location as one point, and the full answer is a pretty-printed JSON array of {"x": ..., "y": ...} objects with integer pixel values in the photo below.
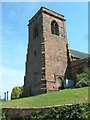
[
  {"x": 27, "y": 111},
  {"x": 32, "y": 82},
  {"x": 56, "y": 60},
  {"x": 77, "y": 66},
  {"x": 55, "y": 48},
  {"x": 55, "y": 52}
]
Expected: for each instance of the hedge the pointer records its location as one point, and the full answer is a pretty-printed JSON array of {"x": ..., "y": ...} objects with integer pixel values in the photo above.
[{"x": 73, "y": 112}]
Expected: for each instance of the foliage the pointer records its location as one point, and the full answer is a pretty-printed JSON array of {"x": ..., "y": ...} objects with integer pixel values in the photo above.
[
  {"x": 21, "y": 91},
  {"x": 69, "y": 112},
  {"x": 16, "y": 92},
  {"x": 3, "y": 116},
  {"x": 83, "y": 79}
]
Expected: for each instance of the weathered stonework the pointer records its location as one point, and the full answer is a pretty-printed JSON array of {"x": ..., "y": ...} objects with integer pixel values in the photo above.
[
  {"x": 27, "y": 111},
  {"x": 48, "y": 55},
  {"x": 77, "y": 66}
]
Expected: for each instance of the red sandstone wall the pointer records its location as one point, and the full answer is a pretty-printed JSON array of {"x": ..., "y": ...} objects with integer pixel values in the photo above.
[
  {"x": 27, "y": 111},
  {"x": 55, "y": 50},
  {"x": 33, "y": 63},
  {"x": 77, "y": 66}
]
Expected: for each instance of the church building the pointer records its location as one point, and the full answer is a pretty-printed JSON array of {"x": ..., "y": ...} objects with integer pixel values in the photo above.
[{"x": 49, "y": 62}]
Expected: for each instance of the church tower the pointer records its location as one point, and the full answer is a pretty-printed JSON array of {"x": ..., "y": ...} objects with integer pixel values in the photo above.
[{"x": 48, "y": 54}]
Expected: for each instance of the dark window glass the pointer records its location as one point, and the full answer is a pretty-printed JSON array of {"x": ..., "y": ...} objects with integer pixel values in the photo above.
[
  {"x": 35, "y": 53},
  {"x": 54, "y": 28}
]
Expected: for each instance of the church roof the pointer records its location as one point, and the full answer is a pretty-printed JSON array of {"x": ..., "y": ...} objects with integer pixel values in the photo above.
[{"x": 78, "y": 54}]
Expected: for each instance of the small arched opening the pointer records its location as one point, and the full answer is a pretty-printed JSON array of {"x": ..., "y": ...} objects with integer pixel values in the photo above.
[{"x": 59, "y": 83}]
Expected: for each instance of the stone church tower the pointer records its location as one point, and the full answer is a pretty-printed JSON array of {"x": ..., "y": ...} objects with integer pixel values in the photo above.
[{"x": 48, "y": 55}]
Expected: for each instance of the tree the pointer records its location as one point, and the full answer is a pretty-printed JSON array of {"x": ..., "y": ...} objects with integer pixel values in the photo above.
[
  {"x": 21, "y": 91},
  {"x": 16, "y": 93},
  {"x": 83, "y": 79}
]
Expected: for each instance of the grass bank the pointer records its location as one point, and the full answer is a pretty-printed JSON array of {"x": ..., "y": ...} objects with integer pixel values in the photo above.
[{"x": 66, "y": 96}]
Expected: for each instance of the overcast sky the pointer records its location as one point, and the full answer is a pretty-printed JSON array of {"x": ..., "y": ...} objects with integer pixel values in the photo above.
[{"x": 15, "y": 18}]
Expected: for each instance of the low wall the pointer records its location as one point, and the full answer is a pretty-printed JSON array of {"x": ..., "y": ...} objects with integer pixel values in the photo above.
[{"x": 27, "y": 111}]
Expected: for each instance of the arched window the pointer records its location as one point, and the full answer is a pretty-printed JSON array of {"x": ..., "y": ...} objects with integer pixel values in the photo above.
[
  {"x": 35, "y": 31},
  {"x": 54, "y": 28}
]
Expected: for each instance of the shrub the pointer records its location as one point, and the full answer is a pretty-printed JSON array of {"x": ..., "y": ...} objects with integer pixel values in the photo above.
[
  {"x": 73, "y": 112},
  {"x": 16, "y": 92},
  {"x": 21, "y": 91},
  {"x": 83, "y": 79}
]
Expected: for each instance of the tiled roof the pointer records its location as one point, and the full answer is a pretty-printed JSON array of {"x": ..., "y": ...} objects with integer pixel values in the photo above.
[{"x": 78, "y": 54}]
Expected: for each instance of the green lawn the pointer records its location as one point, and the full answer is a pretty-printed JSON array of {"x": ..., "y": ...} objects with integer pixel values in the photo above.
[{"x": 66, "y": 96}]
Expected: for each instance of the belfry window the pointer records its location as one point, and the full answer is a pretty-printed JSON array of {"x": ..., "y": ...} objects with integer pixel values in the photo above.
[
  {"x": 35, "y": 31},
  {"x": 54, "y": 28}
]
